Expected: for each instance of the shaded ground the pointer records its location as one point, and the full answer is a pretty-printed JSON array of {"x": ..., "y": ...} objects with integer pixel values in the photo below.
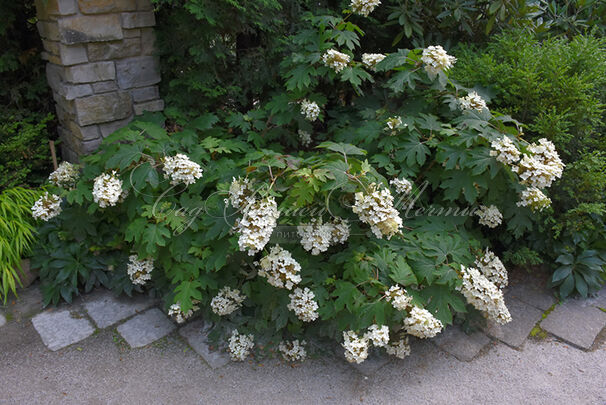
[{"x": 104, "y": 370}]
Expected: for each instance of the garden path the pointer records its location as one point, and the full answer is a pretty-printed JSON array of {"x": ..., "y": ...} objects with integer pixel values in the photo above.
[{"x": 103, "y": 350}]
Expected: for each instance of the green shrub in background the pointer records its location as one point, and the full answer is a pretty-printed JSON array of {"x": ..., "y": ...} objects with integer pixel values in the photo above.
[
  {"x": 471, "y": 21},
  {"x": 573, "y": 17},
  {"x": 218, "y": 54},
  {"x": 25, "y": 157},
  {"x": 226, "y": 54},
  {"x": 558, "y": 88},
  {"x": 26, "y": 103},
  {"x": 23, "y": 82}
]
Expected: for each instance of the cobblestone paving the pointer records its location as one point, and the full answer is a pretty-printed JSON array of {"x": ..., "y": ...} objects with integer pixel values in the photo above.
[
  {"x": 140, "y": 322},
  {"x": 59, "y": 329},
  {"x": 578, "y": 321},
  {"x": 146, "y": 328}
]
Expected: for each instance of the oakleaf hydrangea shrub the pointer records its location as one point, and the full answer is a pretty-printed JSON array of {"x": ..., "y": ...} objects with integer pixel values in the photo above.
[{"x": 374, "y": 231}]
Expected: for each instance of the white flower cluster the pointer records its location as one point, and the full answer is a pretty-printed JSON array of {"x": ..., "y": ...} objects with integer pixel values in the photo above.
[
  {"x": 65, "y": 176},
  {"x": 107, "y": 189},
  {"x": 534, "y": 198},
  {"x": 340, "y": 231},
  {"x": 310, "y": 110},
  {"x": 542, "y": 167},
  {"x": 257, "y": 224},
  {"x": 402, "y": 186},
  {"x": 363, "y": 7},
  {"x": 177, "y": 313},
  {"x": 47, "y": 207},
  {"x": 398, "y": 297},
  {"x": 227, "y": 301},
  {"x": 472, "y": 101},
  {"x": 317, "y": 237},
  {"x": 548, "y": 153},
  {"x": 371, "y": 59},
  {"x": 393, "y": 123},
  {"x": 378, "y": 335},
  {"x": 304, "y": 138},
  {"x": 240, "y": 193},
  {"x": 399, "y": 348},
  {"x": 436, "y": 60},
  {"x": 280, "y": 269},
  {"x": 356, "y": 347},
  {"x": 303, "y": 304},
  {"x": 504, "y": 150},
  {"x": 536, "y": 170},
  {"x": 240, "y": 345},
  {"x": 484, "y": 295},
  {"x": 180, "y": 169},
  {"x": 139, "y": 271},
  {"x": 293, "y": 350},
  {"x": 422, "y": 324},
  {"x": 489, "y": 216},
  {"x": 375, "y": 207},
  {"x": 492, "y": 268},
  {"x": 335, "y": 60}
]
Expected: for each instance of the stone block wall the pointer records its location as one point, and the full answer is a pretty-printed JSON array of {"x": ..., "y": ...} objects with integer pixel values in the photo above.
[{"x": 100, "y": 67}]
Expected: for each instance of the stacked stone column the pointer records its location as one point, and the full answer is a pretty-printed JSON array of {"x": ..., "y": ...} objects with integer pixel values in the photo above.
[{"x": 100, "y": 67}]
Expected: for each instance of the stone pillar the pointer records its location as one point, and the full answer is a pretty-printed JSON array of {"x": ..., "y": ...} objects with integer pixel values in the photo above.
[{"x": 100, "y": 67}]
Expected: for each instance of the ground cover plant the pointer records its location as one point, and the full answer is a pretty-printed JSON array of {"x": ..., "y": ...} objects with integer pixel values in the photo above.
[{"x": 355, "y": 201}]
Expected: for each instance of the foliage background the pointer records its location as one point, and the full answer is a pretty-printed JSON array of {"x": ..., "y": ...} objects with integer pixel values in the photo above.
[
  {"x": 26, "y": 104},
  {"x": 226, "y": 53}
]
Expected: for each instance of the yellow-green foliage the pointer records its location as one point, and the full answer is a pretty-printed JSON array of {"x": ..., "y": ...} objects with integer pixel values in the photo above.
[{"x": 17, "y": 233}]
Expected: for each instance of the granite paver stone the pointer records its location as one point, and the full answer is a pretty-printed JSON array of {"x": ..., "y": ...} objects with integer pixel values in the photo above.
[
  {"x": 462, "y": 346},
  {"x": 59, "y": 329},
  {"x": 575, "y": 321},
  {"x": 532, "y": 294},
  {"x": 523, "y": 318},
  {"x": 28, "y": 303},
  {"x": 106, "y": 309},
  {"x": 196, "y": 335},
  {"x": 146, "y": 328}
]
